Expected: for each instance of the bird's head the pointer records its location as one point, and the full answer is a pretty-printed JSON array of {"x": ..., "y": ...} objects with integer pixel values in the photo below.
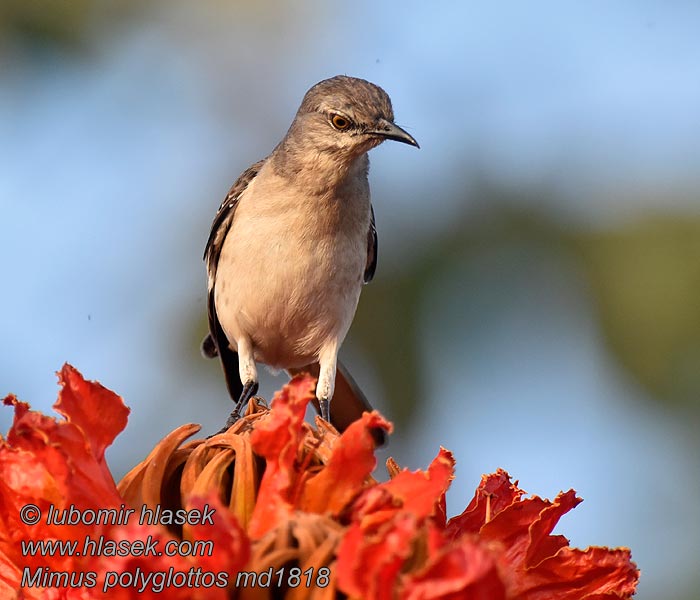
[{"x": 346, "y": 116}]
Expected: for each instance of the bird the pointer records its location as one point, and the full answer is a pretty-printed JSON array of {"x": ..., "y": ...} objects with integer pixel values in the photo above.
[{"x": 293, "y": 243}]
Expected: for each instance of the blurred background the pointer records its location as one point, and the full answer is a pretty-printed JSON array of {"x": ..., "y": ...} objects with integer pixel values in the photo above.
[{"x": 537, "y": 301}]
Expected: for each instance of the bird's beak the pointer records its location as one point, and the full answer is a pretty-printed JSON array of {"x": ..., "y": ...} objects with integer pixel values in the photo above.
[{"x": 388, "y": 130}]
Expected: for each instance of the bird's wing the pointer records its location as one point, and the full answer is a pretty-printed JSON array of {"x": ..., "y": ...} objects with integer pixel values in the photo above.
[
  {"x": 216, "y": 343},
  {"x": 371, "y": 264},
  {"x": 224, "y": 218}
]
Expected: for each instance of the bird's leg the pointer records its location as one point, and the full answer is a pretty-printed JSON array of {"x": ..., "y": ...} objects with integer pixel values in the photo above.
[
  {"x": 249, "y": 376},
  {"x": 325, "y": 405},
  {"x": 327, "y": 359},
  {"x": 250, "y": 388}
]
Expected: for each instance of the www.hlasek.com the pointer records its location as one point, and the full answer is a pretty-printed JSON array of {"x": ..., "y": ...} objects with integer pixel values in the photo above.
[{"x": 137, "y": 579}]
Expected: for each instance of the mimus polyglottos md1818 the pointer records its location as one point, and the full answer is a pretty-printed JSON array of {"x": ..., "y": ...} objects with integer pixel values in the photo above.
[{"x": 292, "y": 244}]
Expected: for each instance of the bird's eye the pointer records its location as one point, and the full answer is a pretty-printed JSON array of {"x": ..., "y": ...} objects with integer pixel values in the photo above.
[{"x": 340, "y": 122}]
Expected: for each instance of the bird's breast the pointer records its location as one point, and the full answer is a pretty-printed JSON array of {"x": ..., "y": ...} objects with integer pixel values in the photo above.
[{"x": 290, "y": 272}]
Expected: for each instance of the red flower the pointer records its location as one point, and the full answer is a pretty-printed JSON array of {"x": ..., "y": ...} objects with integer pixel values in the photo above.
[
  {"x": 533, "y": 563},
  {"x": 293, "y": 503},
  {"x": 57, "y": 468},
  {"x": 48, "y": 463}
]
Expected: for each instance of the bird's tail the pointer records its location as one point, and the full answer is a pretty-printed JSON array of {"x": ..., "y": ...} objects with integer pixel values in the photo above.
[{"x": 209, "y": 347}]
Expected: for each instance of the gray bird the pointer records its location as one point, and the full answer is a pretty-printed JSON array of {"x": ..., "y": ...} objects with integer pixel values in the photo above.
[{"x": 292, "y": 244}]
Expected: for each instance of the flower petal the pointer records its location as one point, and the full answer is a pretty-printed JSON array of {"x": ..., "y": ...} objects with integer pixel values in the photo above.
[
  {"x": 495, "y": 492},
  {"x": 350, "y": 464},
  {"x": 462, "y": 570},
  {"x": 421, "y": 493},
  {"x": 56, "y": 464},
  {"x": 277, "y": 439},
  {"x": 539, "y": 566},
  {"x": 231, "y": 547},
  {"x": 99, "y": 412},
  {"x": 370, "y": 559}
]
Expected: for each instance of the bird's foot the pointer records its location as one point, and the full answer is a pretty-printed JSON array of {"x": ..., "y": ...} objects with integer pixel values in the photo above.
[
  {"x": 249, "y": 390},
  {"x": 232, "y": 418}
]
